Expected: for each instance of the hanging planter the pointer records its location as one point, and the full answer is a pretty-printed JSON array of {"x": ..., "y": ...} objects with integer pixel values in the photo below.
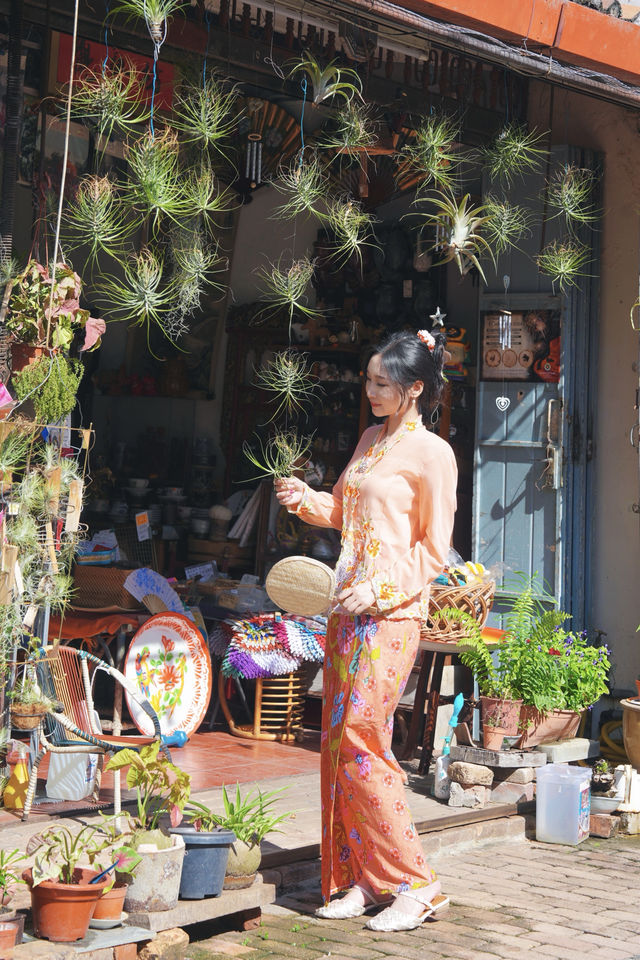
[{"x": 26, "y": 354}]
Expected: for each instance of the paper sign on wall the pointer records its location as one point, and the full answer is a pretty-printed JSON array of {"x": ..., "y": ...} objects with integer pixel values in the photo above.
[{"x": 143, "y": 528}]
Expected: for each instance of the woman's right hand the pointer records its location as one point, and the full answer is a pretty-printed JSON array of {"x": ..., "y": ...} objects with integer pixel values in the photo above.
[{"x": 289, "y": 491}]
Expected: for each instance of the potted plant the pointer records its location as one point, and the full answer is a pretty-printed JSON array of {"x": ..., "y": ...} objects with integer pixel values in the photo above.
[
  {"x": 63, "y": 894},
  {"x": 115, "y": 860},
  {"x": 28, "y": 703},
  {"x": 206, "y": 854},
  {"x": 250, "y": 818},
  {"x": 161, "y": 788},
  {"x": 11, "y": 920},
  {"x": 492, "y": 734},
  {"x": 602, "y": 779}
]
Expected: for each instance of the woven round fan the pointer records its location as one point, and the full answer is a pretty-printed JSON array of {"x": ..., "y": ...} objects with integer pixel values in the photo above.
[{"x": 301, "y": 585}]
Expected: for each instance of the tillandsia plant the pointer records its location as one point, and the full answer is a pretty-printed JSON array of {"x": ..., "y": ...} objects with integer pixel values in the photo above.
[
  {"x": 353, "y": 130},
  {"x": 434, "y": 153},
  {"x": 142, "y": 295},
  {"x": 327, "y": 82},
  {"x": 156, "y": 183},
  {"x": 279, "y": 456},
  {"x": 352, "y": 229},
  {"x": 98, "y": 220},
  {"x": 206, "y": 114},
  {"x": 14, "y": 448},
  {"x": 204, "y": 196},
  {"x": 457, "y": 227},
  {"x": 249, "y": 817},
  {"x": 287, "y": 287},
  {"x": 111, "y": 99},
  {"x": 288, "y": 377},
  {"x": 155, "y": 13},
  {"x": 506, "y": 224},
  {"x": 564, "y": 261},
  {"x": 304, "y": 186},
  {"x": 570, "y": 193},
  {"x": 515, "y": 152}
]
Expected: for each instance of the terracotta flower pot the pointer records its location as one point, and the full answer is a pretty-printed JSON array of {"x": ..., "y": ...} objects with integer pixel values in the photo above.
[
  {"x": 8, "y": 934},
  {"x": 24, "y": 354},
  {"x": 62, "y": 911},
  {"x": 503, "y": 713},
  {"x": 492, "y": 737},
  {"x": 539, "y": 728},
  {"x": 111, "y": 903}
]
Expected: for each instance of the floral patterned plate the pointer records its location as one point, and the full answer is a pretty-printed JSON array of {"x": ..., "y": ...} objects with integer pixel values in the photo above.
[{"x": 169, "y": 663}]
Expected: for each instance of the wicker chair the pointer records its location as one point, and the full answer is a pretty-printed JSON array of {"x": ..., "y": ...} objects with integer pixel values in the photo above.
[{"x": 63, "y": 675}]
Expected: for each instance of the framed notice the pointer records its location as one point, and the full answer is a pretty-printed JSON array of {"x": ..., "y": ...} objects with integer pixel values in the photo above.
[{"x": 521, "y": 345}]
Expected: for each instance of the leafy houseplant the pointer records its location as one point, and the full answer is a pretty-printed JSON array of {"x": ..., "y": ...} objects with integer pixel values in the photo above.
[
  {"x": 9, "y": 859},
  {"x": 53, "y": 383},
  {"x": 28, "y": 703}
]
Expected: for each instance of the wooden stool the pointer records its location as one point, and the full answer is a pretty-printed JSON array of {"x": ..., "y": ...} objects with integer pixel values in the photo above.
[{"x": 278, "y": 708}]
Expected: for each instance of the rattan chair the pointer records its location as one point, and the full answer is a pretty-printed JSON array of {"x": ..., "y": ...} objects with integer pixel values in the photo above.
[{"x": 63, "y": 675}]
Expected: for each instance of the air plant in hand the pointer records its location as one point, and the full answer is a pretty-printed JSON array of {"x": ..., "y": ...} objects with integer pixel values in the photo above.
[
  {"x": 457, "y": 225},
  {"x": 351, "y": 227},
  {"x": 570, "y": 193},
  {"x": 303, "y": 185},
  {"x": 111, "y": 99},
  {"x": 97, "y": 219},
  {"x": 279, "y": 456},
  {"x": 434, "y": 153},
  {"x": 563, "y": 261},
  {"x": 288, "y": 377},
  {"x": 286, "y": 288},
  {"x": 327, "y": 82},
  {"x": 515, "y": 152},
  {"x": 206, "y": 114},
  {"x": 506, "y": 224}
]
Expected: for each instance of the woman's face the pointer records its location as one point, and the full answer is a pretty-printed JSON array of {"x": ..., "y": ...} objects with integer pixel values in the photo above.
[{"x": 383, "y": 394}]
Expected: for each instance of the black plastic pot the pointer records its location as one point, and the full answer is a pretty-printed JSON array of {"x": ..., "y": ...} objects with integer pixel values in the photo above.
[{"x": 205, "y": 861}]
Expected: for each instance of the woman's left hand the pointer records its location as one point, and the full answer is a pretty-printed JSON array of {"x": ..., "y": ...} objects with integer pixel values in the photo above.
[{"x": 358, "y": 598}]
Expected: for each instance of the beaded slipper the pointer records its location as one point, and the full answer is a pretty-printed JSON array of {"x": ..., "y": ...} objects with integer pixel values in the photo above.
[
  {"x": 345, "y": 909},
  {"x": 392, "y": 920}
]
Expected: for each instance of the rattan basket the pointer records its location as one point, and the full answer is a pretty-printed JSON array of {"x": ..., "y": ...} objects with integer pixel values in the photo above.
[
  {"x": 474, "y": 599},
  {"x": 99, "y": 587},
  {"x": 27, "y": 716}
]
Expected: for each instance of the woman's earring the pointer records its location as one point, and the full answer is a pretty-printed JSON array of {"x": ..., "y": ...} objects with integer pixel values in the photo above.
[{"x": 435, "y": 415}]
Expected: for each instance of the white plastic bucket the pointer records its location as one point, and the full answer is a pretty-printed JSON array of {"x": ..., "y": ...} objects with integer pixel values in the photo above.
[
  {"x": 563, "y": 803},
  {"x": 72, "y": 776}
]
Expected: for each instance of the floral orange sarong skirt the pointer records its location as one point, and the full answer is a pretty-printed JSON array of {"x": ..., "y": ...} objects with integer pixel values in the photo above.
[{"x": 367, "y": 830}]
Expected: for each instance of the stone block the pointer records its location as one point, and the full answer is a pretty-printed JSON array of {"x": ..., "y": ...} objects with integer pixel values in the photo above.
[
  {"x": 167, "y": 945},
  {"x": 506, "y": 792},
  {"x": 475, "y": 796},
  {"x": 603, "y": 825},
  {"x": 126, "y": 951},
  {"x": 564, "y": 751},
  {"x": 629, "y": 822},
  {"x": 470, "y": 774},
  {"x": 43, "y": 950},
  {"x": 521, "y": 775},
  {"x": 511, "y": 759}
]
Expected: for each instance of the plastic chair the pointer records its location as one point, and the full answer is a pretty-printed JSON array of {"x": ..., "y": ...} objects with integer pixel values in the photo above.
[{"x": 63, "y": 675}]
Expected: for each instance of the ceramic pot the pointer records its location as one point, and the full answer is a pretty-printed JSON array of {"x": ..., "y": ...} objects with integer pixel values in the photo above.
[
  {"x": 24, "y": 354},
  {"x": 111, "y": 903},
  {"x": 62, "y": 911},
  {"x": 205, "y": 861},
  {"x": 539, "y": 728},
  {"x": 242, "y": 865},
  {"x": 631, "y": 730},
  {"x": 503, "y": 713},
  {"x": 8, "y": 933},
  {"x": 156, "y": 883},
  {"x": 492, "y": 737}
]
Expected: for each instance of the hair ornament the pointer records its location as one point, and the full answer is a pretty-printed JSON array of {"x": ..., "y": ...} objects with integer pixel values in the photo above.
[{"x": 427, "y": 338}]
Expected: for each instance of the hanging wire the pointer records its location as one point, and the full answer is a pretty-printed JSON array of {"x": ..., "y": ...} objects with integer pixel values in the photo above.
[
  {"x": 157, "y": 44},
  {"x": 207, "y": 20},
  {"x": 106, "y": 38},
  {"x": 269, "y": 60},
  {"x": 303, "y": 84},
  {"x": 65, "y": 158}
]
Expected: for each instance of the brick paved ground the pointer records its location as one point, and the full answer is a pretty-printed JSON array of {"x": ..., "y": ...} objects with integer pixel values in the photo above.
[{"x": 509, "y": 900}]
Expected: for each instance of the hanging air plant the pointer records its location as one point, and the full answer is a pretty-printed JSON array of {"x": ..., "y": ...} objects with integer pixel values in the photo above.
[
  {"x": 196, "y": 262},
  {"x": 110, "y": 100},
  {"x": 506, "y": 223},
  {"x": 206, "y": 114},
  {"x": 351, "y": 226},
  {"x": 97, "y": 219},
  {"x": 288, "y": 377},
  {"x": 515, "y": 152},
  {"x": 155, "y": 13},
  {"x": 434, "y": 153},
  {"x": 457, "y": 227},
  {"x": 287, "y": 288},
  {"x": 570, "y": 193},
  {"x": 279, "y": 456},
  {"x": 156, "y": 184},
  {"x": 304, "y": 185},
  {"x": 354, "y": 130},
  {"x": 142, "y": 295},
  {"x": 327, "y": 82},
  {"x": 563, "y": 261},
  {"x": 203, "y": 195}
]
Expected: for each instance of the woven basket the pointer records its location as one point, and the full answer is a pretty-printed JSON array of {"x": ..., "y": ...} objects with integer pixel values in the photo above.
[
  {"x": 97, "y": 587},
  {"x": 474, "y": 599},
  {"x": 301, "y": 585},
  {"x": 27, "y": 716}
]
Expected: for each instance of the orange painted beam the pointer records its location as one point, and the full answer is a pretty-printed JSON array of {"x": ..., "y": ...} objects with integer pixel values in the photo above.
[
  {"x": 587, "y": 38},
  {"x": 513, "y": 20}
]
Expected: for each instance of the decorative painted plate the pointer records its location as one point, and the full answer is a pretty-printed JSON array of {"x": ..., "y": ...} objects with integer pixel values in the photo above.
[{"x": 168, "y": 661}]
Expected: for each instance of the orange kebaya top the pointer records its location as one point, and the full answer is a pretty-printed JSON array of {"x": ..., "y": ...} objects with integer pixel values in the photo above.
[{"x": 395, "y": 504}]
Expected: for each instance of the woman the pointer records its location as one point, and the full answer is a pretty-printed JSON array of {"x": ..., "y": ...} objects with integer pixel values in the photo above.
[{"x": 395, "y": 504}]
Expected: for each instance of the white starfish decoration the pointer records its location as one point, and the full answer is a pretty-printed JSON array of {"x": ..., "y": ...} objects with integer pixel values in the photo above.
[{"x": 438, "y": 318}]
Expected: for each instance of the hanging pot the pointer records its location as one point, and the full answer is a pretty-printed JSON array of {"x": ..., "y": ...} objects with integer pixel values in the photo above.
[
  {"x": 205, "y": 861},
  {"x": 62, "y": 911},
  {"x": 502, "y": 713},
  {"x": 25, "y": 354},
  {"x": 27, "y": 716}
]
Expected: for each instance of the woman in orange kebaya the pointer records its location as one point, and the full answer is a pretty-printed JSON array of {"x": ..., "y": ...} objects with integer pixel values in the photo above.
[{"x": 395, "y": 504}]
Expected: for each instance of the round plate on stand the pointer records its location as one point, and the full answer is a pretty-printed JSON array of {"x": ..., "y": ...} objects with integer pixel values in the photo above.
[{"x": 169, "y": 663}]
